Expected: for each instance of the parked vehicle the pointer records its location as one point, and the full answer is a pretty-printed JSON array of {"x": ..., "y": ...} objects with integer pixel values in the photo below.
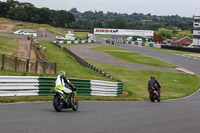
[
  {"x": 61, "y": 102},
  {"x": 60, "y": 38},
  {"x": 153, "y": 94}
]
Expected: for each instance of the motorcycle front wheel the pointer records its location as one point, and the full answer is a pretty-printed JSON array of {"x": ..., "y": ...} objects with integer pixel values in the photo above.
[
  {"x": 75, "y": 107},
  {"x": 57, "y": 104},
  {"x": 75, "y": 103}
]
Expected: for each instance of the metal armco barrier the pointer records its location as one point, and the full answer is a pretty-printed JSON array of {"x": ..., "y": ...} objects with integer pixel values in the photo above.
[
  {"x": 83, "y": 62},
  {"x": 73, "y": 42},
  {"x": 40, "y": 86},
  {"x": 196, "y": 50}
]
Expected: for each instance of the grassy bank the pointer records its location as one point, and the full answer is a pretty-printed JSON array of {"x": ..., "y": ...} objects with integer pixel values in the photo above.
[
  {"x": 12, "y": 73},
  {"x": 66, "y": 62},
  {"x": 132, "y": 56},
  {"x": 8, "y": 45},
  {"x": 2, "y": 27},
  {"x": 81, "y": 34},
  {"x": 28, "y": 25},
  {"x": 174, "y": 85}
]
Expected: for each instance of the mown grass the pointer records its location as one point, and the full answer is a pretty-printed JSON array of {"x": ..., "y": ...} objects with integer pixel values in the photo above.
[
  {"x": 48, "y": 28},
  {"x": 8, "y": 45},
  {"x": 82, "y": 35},
  {"x": 50, "y": 98},
  {"x": 102, "y": 36},
  {"x": 2, "y": 27},
  {"x": 26, "y": 98},
  {"x": 66, "y": 62},
  {"x": 13, "y": 73},
  {"x": 133, "y": 57},
  {"x": 174, "y": 85},
  {"x": 28, "y": 25}
]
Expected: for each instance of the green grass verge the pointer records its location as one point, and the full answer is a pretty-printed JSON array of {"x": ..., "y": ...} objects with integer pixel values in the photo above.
[
  {"x": 50, "y": 98},
  {"x": 174, "y": 85},
  {"x": 102, "y": 36},
  {"x": 8, "y": 45},
  {"x": 2, "y": 27},
  {"x": 133, "y": 57},
  {"x": 26, "y": 98},
  {"x": 57, "y": 31},
  {"x": 12, "y": 73},
  {"x": 28, "y": 25},
  {"x": 48, "y": 28},
  {"x": 81, "y": 34},
  {"x": 66, "y": 62}
]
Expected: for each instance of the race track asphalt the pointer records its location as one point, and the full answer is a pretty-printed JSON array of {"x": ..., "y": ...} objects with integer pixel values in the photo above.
[
  {"x": 174, "y": 116},
  {"x": 181, "y": 61}
]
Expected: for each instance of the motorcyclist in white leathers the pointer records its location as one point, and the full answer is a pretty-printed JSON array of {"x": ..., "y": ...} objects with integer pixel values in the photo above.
[{"x": 62, "y": 81}]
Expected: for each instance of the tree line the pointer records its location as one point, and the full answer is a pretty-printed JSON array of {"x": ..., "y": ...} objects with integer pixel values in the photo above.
[
  {"x": 28, "y": 12},
  {"x": 165, "y": 26}
]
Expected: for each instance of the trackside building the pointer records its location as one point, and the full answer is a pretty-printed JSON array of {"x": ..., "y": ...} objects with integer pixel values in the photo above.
[{"x": 196, "y": 31}]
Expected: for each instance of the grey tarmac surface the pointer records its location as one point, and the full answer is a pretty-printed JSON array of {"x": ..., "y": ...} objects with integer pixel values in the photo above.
[
  {"x": 185, "y": 62},
  {"x": 86, "y": 51},
  {"x": 174, "y": 116}
]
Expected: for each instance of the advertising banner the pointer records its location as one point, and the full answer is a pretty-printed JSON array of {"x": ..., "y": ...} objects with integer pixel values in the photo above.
[{"x": 126, "y": 32}]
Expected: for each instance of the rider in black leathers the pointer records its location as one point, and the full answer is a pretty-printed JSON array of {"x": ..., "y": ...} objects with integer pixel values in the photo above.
[{"x": 154, "y": 83}]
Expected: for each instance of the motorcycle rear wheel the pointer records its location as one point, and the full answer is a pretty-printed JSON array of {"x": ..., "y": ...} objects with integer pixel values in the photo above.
[
  {"x": 152, "y": 97},
  {"x": 57, "y": 104},
  {"x": 158, "y": 99}
]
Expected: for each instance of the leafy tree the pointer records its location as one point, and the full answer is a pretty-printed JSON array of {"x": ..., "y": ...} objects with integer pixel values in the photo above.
[
  {"x": 119, "y": 23},
  {"x": 3, "y": 9},
  {"x": 64, "y": 18},
  {"x": 28, "y": 12},
  {"x": 185, "y": 33},
  {"x": 98, "y": 24},
  {"x": 87, "y": 20},
  {"x": 164, "y": 33}
]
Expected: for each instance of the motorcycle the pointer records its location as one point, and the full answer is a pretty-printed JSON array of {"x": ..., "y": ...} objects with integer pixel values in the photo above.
[
  {"x": 153, "y": 94},
  {"x": 60, "y": 100}
]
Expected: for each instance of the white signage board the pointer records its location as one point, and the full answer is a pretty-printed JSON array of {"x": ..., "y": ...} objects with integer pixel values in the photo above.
[{"x": 126, "y": 32}]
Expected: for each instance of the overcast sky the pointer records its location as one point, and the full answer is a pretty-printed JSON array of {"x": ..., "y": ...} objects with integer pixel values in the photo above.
[{"x": 186, "y": 8}]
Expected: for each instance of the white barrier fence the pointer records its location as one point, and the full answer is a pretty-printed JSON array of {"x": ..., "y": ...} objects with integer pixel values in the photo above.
[{"x": 34, "y": 86}]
